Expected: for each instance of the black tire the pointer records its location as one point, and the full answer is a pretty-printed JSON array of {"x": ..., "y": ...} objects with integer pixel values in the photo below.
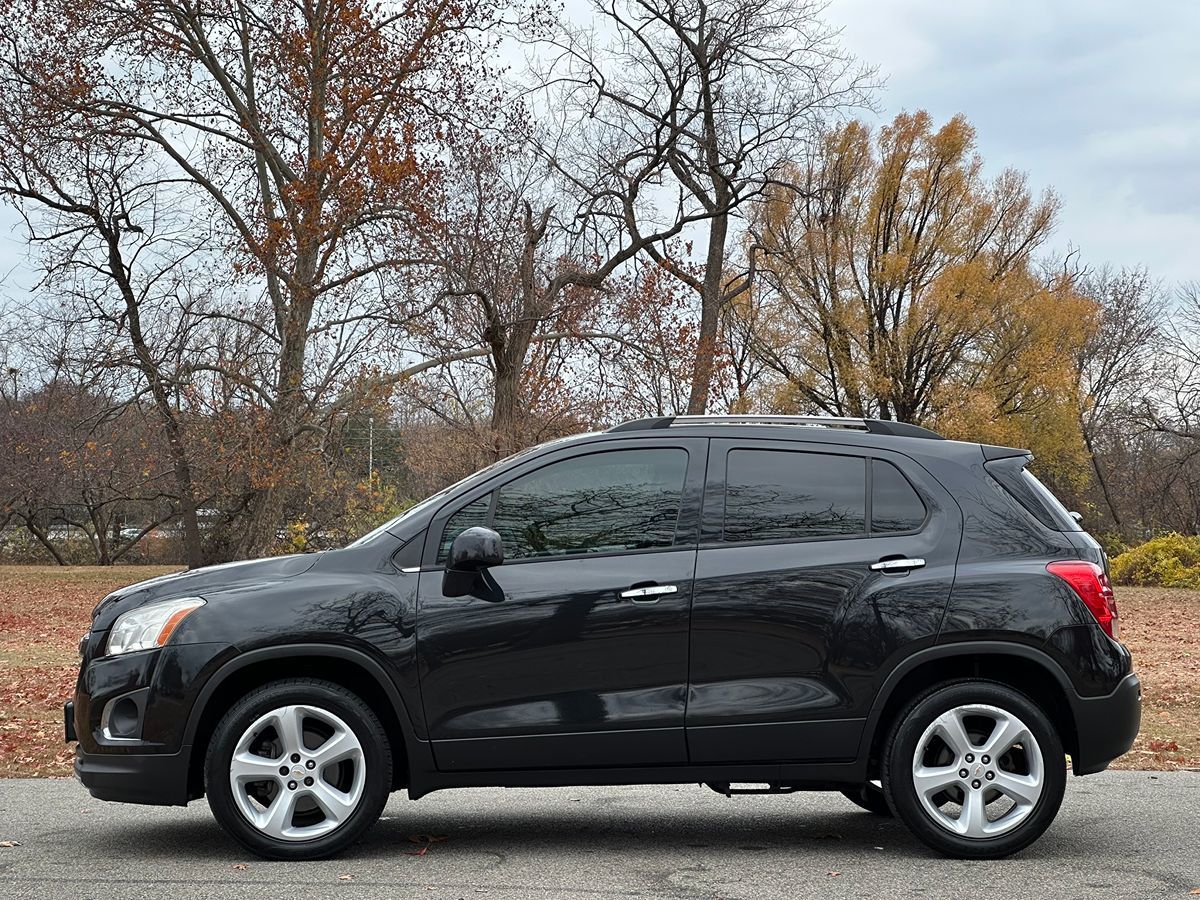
[
  {"x": 870, "y": 797},
  {"x": 323, "y": 695},
  {"x": 901, "y": 747}
]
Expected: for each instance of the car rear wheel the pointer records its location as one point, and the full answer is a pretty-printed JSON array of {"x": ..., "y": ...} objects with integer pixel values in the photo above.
[
  {"x": 298, "y": 769},
  {"x": 975, "y": 769}
]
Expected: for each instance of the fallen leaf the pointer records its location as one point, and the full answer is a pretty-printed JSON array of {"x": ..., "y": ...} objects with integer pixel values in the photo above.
[
  {"x": 240, "y": 867},
  {"x": 10, "y": 843},
  {"x": 833, "y": 874},
  {"x": 346, "y": 877}
]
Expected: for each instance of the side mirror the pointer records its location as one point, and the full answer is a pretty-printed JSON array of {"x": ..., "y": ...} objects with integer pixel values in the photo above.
[
  {"x": 475, "y": 549},
  {"x": 470, "y": 555}
]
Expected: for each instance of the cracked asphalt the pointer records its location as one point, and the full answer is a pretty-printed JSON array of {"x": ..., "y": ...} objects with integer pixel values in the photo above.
[{"x": 1119, "y": 834}]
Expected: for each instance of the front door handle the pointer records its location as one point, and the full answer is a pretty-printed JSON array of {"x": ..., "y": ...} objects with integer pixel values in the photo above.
[
  {"x": 897, "y": 565},
  {"x": 650, "y": 594}
]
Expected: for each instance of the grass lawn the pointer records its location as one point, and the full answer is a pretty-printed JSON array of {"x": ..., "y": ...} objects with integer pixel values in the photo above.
[{"x": 45, "y": 610}]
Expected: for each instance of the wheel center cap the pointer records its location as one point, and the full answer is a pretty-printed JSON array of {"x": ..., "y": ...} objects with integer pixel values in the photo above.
[{"x": 298, "y": 773}]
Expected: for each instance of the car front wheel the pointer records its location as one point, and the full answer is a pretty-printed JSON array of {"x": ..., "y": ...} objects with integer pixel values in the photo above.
[
  {"x": 975, "y": 769},
  {"x": 298, "y": 769}
]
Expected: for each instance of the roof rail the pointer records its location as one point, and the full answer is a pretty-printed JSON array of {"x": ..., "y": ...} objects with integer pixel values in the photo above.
[{"x": 870, "y": 426}]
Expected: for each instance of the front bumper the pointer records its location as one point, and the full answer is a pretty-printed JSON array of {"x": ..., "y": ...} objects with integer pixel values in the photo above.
[
  {"x": 159, "y": 779},
  {"x": 1107, "y": 726},
  {"x": 129, "y": 716}
]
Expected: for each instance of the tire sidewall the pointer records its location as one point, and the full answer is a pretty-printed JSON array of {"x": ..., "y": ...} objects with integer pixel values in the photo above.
[
  {"x": 902, "y": 795},
  {"x": 324, "y": 695}
]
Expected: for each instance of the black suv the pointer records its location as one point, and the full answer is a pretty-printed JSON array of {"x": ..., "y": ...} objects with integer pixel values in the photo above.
[{"x": 781, "y": 603}]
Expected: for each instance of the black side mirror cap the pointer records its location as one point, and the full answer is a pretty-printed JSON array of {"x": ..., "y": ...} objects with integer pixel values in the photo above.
[{"x": 475, "y": 549}]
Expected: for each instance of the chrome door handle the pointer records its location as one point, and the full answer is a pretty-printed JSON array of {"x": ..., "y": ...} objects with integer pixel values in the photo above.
[
  {"x": 649, "y": 594},
  {"x": 896, "y": 565}
]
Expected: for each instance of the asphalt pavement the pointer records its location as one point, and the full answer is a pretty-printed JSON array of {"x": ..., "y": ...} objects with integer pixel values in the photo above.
[{"x": 1119, "y": 834}]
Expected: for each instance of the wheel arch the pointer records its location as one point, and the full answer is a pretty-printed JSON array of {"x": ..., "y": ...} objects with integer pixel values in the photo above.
[
  {"x": 350, "y": 668},
  {"x": 1018, "y": 666}
]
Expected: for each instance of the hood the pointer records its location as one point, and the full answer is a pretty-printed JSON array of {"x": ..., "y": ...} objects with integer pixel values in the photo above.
[{"x": 199, "y": 583}]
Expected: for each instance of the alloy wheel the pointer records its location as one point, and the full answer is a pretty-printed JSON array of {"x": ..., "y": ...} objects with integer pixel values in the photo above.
[
  {"x": 978, "y": 771},
  {"x": 297, "y": 773}
]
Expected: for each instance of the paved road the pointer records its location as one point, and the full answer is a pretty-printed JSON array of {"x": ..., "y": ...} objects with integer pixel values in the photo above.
[{"x": 1120, "y": 834}]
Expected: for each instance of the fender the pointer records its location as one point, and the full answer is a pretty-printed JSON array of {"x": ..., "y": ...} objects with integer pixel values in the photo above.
[
  {"x": 329, "y": 651},
  {"x": 946, "y": 651}
]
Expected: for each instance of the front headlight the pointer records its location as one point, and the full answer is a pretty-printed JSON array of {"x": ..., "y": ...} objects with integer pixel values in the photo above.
[{"x": 149, "y": 626}]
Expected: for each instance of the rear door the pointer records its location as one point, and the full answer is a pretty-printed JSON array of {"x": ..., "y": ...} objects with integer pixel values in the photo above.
[
  {"x": 576, "y": 654},
  {"x": 802, "y": 602}
]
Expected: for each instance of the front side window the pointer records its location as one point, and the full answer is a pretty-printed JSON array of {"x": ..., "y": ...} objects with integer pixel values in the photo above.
[
  {"x": 779, "y": 495},
  {"x": 606, "y": 502},
  {"x": 474, "y": 513}
]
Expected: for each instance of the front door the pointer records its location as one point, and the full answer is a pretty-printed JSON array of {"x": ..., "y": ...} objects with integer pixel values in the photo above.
[{"x": 574, "y": 652}]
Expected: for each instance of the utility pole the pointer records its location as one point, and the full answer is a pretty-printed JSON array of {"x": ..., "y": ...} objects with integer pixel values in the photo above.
[{"x": 371, "y": 454}]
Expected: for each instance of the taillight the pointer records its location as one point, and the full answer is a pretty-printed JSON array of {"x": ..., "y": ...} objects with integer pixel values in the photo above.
[{"x": 1090, "y": 582}]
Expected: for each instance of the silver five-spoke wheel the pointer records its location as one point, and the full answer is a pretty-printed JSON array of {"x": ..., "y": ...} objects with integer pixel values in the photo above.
[
  {"x": 297, "y": 773},
  {"x": 978, "y": 771}
]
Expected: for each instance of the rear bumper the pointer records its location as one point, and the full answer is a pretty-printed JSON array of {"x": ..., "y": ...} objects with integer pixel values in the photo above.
[
  {"x": 1107, "y": 726},
  {"x": 159, "y": 779}
]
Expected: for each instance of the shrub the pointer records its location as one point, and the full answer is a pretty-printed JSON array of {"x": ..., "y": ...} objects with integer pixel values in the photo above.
[{"x": 1172, "y": 560}]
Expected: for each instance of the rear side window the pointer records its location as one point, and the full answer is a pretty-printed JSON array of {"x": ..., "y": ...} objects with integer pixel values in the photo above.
[
  {"x": 779, "y": 495},
  {"x": 895, "y": 504},
  {"x": 1022, "y": 484}
]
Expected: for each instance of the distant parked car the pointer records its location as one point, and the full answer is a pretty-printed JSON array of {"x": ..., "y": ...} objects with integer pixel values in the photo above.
[{"x": 779, "y": 603}]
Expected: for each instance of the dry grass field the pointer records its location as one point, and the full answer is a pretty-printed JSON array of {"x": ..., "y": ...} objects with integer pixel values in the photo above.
[{"x": 45, "y": 610}]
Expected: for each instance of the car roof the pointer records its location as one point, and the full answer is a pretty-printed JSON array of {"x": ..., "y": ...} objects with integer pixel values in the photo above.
[{"x": 835, "y": 431}]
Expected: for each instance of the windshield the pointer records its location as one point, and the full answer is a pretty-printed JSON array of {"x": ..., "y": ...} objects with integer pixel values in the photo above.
[{"x": 433, "y": 500}]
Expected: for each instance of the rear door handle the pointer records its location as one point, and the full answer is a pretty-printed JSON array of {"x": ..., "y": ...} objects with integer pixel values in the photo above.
[
  {"x": 897, "y": 565},
  {"x": 650, "y": 594}
]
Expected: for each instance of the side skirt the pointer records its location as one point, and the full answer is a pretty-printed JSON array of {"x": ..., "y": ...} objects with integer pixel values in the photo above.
[{"x": 808, "y": 776}]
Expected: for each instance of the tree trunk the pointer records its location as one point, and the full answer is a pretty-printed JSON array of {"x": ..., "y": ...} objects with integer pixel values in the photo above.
[
  {"x": 180, "y": 465},
  {"x": 265, "y": 511},
  {"x": 505, "y": 405},
  {"x": 710, "y": 313},
  {"x": 1100, "y": 479},
  {"x": 41, "y": 538}
]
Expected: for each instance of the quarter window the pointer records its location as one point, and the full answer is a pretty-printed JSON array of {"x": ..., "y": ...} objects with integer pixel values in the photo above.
[
  {"x": 895, "y": 505},
  {"x": 776, "y": 495},
  {"x": 607, "y": 502}
]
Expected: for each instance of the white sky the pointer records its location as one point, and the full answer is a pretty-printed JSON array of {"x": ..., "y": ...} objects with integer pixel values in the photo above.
[{"x": 1096, "y": 98}]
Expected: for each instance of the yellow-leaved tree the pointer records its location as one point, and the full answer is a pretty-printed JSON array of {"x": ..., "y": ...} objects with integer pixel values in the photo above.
[{"x": 900, "y": 283}]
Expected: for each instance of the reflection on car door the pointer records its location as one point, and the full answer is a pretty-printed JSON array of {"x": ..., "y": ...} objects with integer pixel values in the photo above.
[
  {"x": 790, "y": 622},
  {"x": 574, "y": 652}
]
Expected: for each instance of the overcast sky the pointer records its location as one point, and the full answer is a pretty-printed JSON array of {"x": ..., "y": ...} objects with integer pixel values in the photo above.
[{"x": 1098, "y": 99}]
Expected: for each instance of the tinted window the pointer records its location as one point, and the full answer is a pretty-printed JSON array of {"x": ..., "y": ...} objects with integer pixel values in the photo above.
[
  {"x": 474, "y": 513},
  {"x": 895, "y": 505},
  {"x": 603, "y": 502},
  {"x": 773, "y": 495},
  {"x": 1031, "y": 493}
]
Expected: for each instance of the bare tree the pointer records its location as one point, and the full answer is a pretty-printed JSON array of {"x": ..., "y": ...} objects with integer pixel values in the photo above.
[
  {"x": 307, "y": 135},
  {"x": 721, "y": 95},
  {"x": 1118, "y": 364}
]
